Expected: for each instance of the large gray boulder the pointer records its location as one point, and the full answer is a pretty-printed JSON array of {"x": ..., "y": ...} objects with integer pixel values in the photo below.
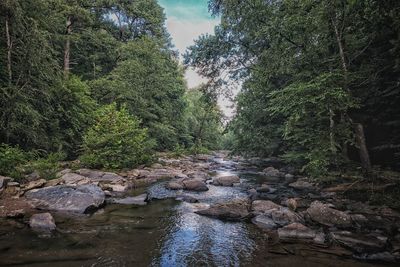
[
  {"x": 77, "y": 199},
  {"x": 359, "y": 243},
  {"x": 42, "y": 222},
  {"x": 226, "y": 180},
  {"x": 195, "y": 185},
  {"x": 328, "y": 216},
  {"x": 237, "y": 209}
]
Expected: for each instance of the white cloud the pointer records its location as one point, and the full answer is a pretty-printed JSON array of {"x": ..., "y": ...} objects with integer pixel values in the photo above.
[{"x": 183, "y": 33}]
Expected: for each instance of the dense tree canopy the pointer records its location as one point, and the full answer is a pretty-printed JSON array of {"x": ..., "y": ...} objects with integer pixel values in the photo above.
[
  {"x": 60, "y": 61},
  {"x": 315, "y": 74}
]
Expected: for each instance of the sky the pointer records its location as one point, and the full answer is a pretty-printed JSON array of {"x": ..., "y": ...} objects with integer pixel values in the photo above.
[{"x": 186, "y": 20}]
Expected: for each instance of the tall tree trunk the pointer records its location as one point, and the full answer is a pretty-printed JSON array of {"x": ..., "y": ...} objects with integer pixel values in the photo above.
[
  {"x": 67, "y": 48},
  {"x": 9, "y": 49},
  {"x": 360, "y": 139},
  {"x": 358, "y": 127}
]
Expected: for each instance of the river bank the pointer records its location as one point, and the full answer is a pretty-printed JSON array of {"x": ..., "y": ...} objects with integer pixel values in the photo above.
[{"x": 203, "y": 210}]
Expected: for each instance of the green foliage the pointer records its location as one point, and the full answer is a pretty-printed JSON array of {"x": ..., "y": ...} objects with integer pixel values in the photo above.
[
  {"x": 203, "y": 120},
  {"x": 116, "y": 140},
  {"x": 11, "y": 158},
  {"x": 148, "y": 80},
  {"x": 47, "y": 166},
  {"x": 309, "y": 70}
]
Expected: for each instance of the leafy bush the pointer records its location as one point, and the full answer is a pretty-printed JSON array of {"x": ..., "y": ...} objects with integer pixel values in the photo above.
[
  {"x": 116, "y": 140},
  {"x": 11, "y": 158},
  {"x": 47, "y": 167}
]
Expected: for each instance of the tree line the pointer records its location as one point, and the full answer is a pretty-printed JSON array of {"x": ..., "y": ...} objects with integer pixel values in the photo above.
[
  {"x": 74, "y": 75},
  {"x": 320, "y": 79}
]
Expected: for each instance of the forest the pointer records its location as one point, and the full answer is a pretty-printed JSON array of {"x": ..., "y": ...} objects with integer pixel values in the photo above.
[
  {"x": 320, "y": 79},
  {"x": 109, "y": 158},
  {"x": 70, "y": 68}
]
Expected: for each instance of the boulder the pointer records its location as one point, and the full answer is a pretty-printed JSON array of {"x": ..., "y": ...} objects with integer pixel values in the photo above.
[
  {"x": 289, "y": 176},
  {"x": 161, "y": 174},
  {"x": 328, "y": 216},
  {"x": 174, "y": 185},
  {"x": 187, "y": 198},
  {"x": 138, "y": 200},
  {"x": 272, "y": 172},
  {"x": 4, "y": 180},
  {"x": 64, "y": 198},
  {"x": 72, "y": 178},
  {"x": 237, "y": 209},
  {"x": 198, "y": 175},
  {"x": 42, "y": 222},
  {"x": 302, "y": 185},
  {"x": 284, "y": 216},
  {"x": 99, "y": 176},
  {"x": 195, "y": 185},
  {"x": 203, "y": 157},
  {"x": 226, "y": 180},
  {"x": 35, "y": 184},
  {"x": 296, "y": 231},
  {"x": 14, "y": 214},
  {"x": 264, "y": 222},
  {"x": 264, "y": 206},
  {"x": 359, "y": 243}
]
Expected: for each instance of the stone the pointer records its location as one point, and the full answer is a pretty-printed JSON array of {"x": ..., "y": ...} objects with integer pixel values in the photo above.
[
  {"x": 252, "y": 194},
  {"x": 289, "y": 176},
  {"x": 4, "y": 180},
  {"x": 54, "y": 182},
  {"x": 237, "y": 209},
  {"x": 328, "y": 216},
  {"x": 284, "y": 216},
  {"x": 64, "y": 198},
  {"x": 187, "y": 198},
  {"x": 62, "y": 172},
  {"x": 203, "y": 157},
  {"x": 292, "y": 204},
  {"x": 72, "y": 178},
  {"x": 264, "y": 206},
  {"x": 138, "y": 200},
  {"x": 302, "y": 185},
  {"x": 42, "y": 222},
  {"x": 359, "y": 243},
  {"x": 226, "y": 180},
  {"x": 198, "y": 175},
  {"x": 14, "y": 214},
  {"x": 272, "y": 172},
  {"x": 35, "y": 184},
  {"x": 157, "y": 166},
  {"x": 296, "y": 231},
  {"x": 264, "y": 222},
  {"x": 115, "y": 187},
  {"x": 264, "y": 189},
  {"x": 174, "y": 186},
  {"x": 195, "y": 185},
  {"x": 99, "y": 176}
]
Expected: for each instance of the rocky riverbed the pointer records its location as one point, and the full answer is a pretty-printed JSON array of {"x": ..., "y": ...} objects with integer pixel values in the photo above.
[{"x": 201, "y": 210}]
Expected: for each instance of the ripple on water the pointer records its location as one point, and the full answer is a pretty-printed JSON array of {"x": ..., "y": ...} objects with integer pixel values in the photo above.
[{"x": 194, "y": 240}]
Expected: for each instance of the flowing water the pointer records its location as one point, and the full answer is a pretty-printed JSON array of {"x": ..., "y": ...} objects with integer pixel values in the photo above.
[{"x": 163, "y": 233}]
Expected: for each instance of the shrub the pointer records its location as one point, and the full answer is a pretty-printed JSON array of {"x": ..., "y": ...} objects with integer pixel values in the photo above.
[
  {"x": 115, "y": 141},
  {"x": 47, "y": 166},
  {"x": 11, "y": 158}
]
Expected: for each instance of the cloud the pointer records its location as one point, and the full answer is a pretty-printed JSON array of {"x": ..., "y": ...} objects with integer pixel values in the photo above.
[{"x": 183, "y": 33}]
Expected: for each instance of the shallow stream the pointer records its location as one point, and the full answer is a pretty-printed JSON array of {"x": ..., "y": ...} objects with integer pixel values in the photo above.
[{"x": 163, "y": 233}]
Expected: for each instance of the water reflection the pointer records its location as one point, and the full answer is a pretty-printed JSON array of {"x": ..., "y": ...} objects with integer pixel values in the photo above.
[{"x": 195, "y": 240}]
